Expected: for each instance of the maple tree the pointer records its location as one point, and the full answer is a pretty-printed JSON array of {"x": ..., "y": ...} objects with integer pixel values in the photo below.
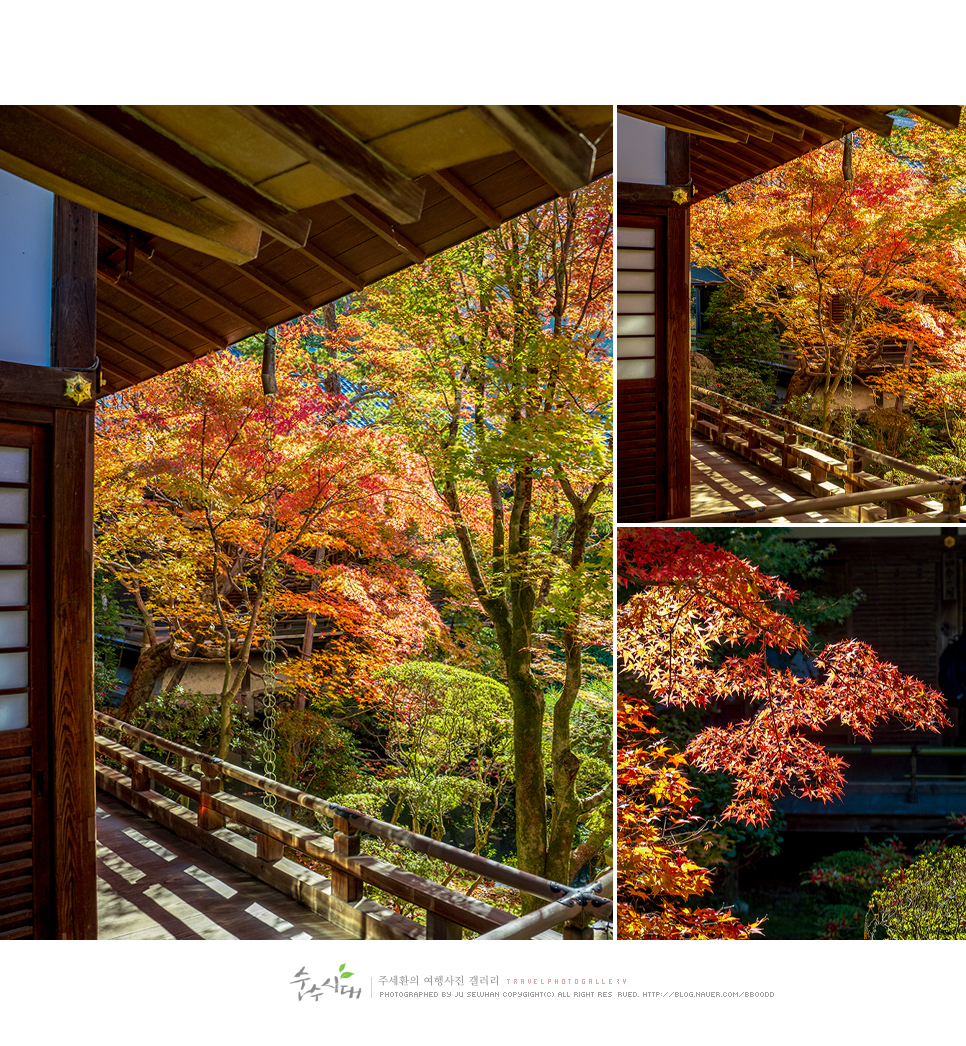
[
  {"x": 698, "y": 633},
  {"x": 492, "y": 360},
  {"x": 218, "y": 511},
  {"x": 848, "y": 268}
]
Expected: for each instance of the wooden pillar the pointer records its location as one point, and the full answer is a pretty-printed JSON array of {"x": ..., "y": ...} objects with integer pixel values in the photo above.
[
  {"x": 678, "y": 343},
  {"x": 73, "y": 346}
]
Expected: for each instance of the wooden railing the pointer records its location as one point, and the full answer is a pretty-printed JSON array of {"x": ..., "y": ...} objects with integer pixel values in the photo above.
[
  {"x": 834, "y": 471},
  {"x": 217, "y": 815}
]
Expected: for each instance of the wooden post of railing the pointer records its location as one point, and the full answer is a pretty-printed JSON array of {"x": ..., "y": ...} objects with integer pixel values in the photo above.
[
  {"x": 853, "y": 465},
  {"x": 579, "y": 928},
  {"x": 953, "y": 503},
  {"x": 788, "y": 441},
  {"x": 439, "y": 928},
  {"x": 209, "y": 820},
  {"x": 140, "y": 779},
  {"x": 345, "y": 885},
  {"x": 269, "y": 849}
]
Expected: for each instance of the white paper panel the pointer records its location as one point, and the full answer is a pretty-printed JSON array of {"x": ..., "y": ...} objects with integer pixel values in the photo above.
[
  {"x": 631, "y": 259},
  {"x": 14, "y": 465},
  {"x": 13, "y": 712},
  {"x": 629, "y": 370},
  {"x": 13, "y": 671},
  {"x": 634, "y": 237},
  {"x": 13, "y": 588},
  {"x": 635, "y": 347},
  {"x": 635, "y": 303},
  {"x": 13, "y": 506},
  {"x": 635, "y": 281},
  {"x": 640, "y": 151},
  {"x": 635, "y": 325},
  {"x": 13, "y": 547},
  {"x": 13, "y": 628}
]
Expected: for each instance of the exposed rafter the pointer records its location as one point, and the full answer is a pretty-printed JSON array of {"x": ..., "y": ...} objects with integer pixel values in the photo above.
[
  {"x": 269, "y": 283},
  {"x": 105, "y": 311},
  {"x": 467, "y": 197},
  {"x": 126, "y": 353},
  {"x": 653, "y": 114},
  {"x": 558, "y": 153},
  {"x": 330, "y": 264},
  {"x": 142, "y": 297},
  {"x": 328, "y": 146},
  {"x": 863, "y": 116},
  {"x": 381, "y": 227},
  {"x": 192, "y": 283}
]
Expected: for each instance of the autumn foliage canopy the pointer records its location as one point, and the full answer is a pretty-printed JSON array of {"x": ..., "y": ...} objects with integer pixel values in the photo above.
[{"x": 697, "y": 632}]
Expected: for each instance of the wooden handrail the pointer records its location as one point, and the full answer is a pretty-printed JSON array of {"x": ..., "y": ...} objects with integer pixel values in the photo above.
[
  {"x": 776, "y": 449},
  {"x": 445, "y": 908},
  {"x": 593, "y": 896},
  {"x": 470, "y": 862}
]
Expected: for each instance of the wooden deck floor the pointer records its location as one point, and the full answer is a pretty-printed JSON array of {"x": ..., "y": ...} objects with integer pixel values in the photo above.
[
  {"x": 152, "y": 885},
  {"x": 722, "y": 481}
]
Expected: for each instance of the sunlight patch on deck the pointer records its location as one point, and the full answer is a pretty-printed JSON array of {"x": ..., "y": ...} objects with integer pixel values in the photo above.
[
  {"x": 149, "y": 844},
  {"x": 117, "y": 864},
  {"x": 723, "y": 482},
  {"x": 210, "y": 881},
  {"x": 276, "y": 922}
]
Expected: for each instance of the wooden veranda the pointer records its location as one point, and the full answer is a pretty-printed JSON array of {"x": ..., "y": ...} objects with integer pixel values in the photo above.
[
  {"x": 752, "y": 466},
  {"x": 322, "y": 871}
]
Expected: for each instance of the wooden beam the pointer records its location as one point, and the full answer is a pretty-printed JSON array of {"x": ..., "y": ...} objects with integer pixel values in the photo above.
[
  {"x": 865, "y": 116},
  {"x": 662, "y": 195},
  {"x": 652, "y": 114},
  {"x": 677, "y": 366},
  {"x": 131, "y": 290},
  {"x": 198, "y": 171},
  {"x": 47, "y": 386},
  {"x": 943, "y": 115},
  {"x": 563, "y": 157},
  {"x": 329, "y": 263},
  {"x": 381, "y": 227},
  {"x": 43, "y": 152},
  {"x": 798, "y": 114},
  {"x": 269, "y": 283},
  {"x": 467, "y": 197},
  {"x": 116, "y": 316},
  {"x": 331, "y": 148},
  {"x": 732, "y": 117}
]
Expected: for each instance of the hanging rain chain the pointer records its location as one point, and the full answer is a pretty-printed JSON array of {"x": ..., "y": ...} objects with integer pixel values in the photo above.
[
  {"x": 848, "y": 178},
  {"x": 270, "y": 570}
]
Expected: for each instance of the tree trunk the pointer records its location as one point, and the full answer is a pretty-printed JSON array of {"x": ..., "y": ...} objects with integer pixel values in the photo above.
[{"x": 152, "y": 662}]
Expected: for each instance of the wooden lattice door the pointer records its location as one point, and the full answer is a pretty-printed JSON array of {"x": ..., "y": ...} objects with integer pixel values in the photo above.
[{"x": 24, "y": 773}]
